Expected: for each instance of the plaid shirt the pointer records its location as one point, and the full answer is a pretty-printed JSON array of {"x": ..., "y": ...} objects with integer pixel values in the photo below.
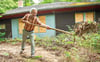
[{"x": 33, "y": 20}]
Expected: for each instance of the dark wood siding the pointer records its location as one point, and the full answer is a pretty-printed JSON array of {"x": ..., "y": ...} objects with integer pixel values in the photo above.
[
  {"x": 64, "y": 19},
  {"x": 97, "y": 15},
  {"x": 7, "y": 23}
]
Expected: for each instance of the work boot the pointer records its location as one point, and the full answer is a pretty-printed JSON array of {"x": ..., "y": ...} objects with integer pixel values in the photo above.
[
  {"x": 33, "y": 56},
  {"x": 22, "y": 51}
]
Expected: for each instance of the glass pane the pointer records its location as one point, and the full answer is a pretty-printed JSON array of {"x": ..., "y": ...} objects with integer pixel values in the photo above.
[{"x": 2, "y": 26}]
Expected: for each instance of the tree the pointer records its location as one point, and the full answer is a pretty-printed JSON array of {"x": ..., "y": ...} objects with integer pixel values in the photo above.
[
  {"x": 70, "y": 0},
  {"x": 90, "y": 0},
  {"x": 28, "y": 2},
  {"x": 51, "y": 1},
  {"x": 47, "y": 1},
  {"x": 12, "y": 4},
  {"x": 7, "y": 5}
]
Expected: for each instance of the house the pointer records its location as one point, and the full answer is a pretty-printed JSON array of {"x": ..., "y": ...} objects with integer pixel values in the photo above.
[{"x": 57, "y": 15}]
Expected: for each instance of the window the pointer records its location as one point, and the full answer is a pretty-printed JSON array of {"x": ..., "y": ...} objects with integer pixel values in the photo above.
[
  {"x": 37, "y": 29},
  {"x": 89, "y": 16},
  {"x": 40, "y": 29},
  {"x": 85, "y": 16},
  {"x": 78, "y": 17},
  {"x": 2, "y": 26}
]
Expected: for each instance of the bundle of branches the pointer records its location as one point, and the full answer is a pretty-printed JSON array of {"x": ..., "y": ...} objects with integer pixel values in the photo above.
[{"x": 85, "y": 27}]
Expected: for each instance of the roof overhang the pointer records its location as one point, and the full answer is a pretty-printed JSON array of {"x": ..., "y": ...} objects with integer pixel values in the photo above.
[{"x": 54, "y": 10}]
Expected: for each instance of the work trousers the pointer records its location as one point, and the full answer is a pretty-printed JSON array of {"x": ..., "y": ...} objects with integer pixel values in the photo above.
[{"x": 31, "y": 36}]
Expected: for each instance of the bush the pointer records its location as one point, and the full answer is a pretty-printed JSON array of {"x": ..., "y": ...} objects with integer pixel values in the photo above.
[{"x": 1, "y": 36}]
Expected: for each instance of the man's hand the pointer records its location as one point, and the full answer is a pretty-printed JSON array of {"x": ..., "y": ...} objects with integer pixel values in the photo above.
[
  {"x": 48, "y": 27},
  {"x": 27, "y": 22}
]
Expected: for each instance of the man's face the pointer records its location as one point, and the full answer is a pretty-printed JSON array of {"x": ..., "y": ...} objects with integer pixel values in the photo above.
[{"x": 34, "y": 12}]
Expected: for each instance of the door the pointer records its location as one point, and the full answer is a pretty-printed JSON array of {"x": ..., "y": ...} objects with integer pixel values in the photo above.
[{"x": 14, "y": 28}]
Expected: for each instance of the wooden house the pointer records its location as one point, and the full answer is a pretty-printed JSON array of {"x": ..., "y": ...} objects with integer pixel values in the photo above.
[{"x": 57, "y": 15}]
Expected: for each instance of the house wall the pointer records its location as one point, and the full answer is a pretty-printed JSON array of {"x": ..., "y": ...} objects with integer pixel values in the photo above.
[
  {"x": 84, "y": 16},
  {"x": 70, "y": 18},
  {"x": 15, "y": 33},
  {"x": 64, "y": 19},
  {"x": 57, "y": 20},
  {"x": 7, "y": 29},
  {"x": 97, "y": 16},
  {"x": 50, "y": 20}
]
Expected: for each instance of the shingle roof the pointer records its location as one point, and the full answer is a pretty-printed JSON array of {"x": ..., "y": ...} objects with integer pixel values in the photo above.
[{"x": 46, "y": 7}]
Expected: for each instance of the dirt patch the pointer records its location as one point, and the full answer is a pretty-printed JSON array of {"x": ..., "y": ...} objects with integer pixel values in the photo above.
[
  {"x": 88, "y": 55},
  {"x": 10, "y": 53},
  {"x": 6, "y": 56}
]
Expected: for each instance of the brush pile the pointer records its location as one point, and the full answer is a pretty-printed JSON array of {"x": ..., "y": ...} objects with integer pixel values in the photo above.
[{"x": 85, "y": 27}]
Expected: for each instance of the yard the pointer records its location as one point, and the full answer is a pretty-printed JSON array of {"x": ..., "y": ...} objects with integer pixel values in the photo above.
[
  {"x": 82, "y": 44},
  {"x": 61, "y": 48},
  {"x": 10, "y": 53}
]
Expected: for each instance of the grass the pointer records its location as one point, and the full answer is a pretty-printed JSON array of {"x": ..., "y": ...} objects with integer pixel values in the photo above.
[
  {"x": 92, "y": 41},
  {"x": 2, "y": 39},
  {"x": 33, "y": 59},
  {"x": 71, "y": 50}
]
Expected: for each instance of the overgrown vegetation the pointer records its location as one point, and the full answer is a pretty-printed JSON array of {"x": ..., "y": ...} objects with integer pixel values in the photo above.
[
  {"x": 72, "y": 51},
  {"x": 1, "y": 36},
  {"x": 78, "y": 50},
  {"x": 7, "y": 5},
  {"x": 68, "y": 48},
  {"x": 12, "y": 4}
]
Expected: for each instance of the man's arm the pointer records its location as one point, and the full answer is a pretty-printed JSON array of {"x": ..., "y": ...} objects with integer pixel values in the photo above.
[
  {"x": 24, "y": 19},
  {"x": 41, "y": 24}
]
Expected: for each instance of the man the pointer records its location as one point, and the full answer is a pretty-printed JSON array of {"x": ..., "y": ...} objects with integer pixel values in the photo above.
[{"x": 29, "y": 20}]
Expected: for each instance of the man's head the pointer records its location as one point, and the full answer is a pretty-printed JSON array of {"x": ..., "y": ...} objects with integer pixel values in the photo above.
[{"x": 33, "y": 11}]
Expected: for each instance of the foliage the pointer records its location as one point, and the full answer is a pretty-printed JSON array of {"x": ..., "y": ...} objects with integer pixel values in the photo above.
[
  {"x": 73, "y": 51},
  {"x": 6, "y": 54},
  {"x": 99, "y": 27},
  {"x": 64, "y": 42},
  {"x": 13, "y": 41},
  {"x": 12, "y": 4},
  {"x": 28, "y": 2},
  {"x": 54, "y": 43},
  {"x": 85, "y": 27},
  {"x": 70, "y": 0},
  {"x": 93, "y": 41},
  {"x": 67, "y": 54},
  {"x": 47, "y": 1},
  {"x": 1, "y": 35},
  {"x": 8, "y": 40},
  {"x": 7, "y": 5},
  {"x": 51, "y": 1},
  {"x": 69, "y": 28},
  {"x": 98, "y": 0}
]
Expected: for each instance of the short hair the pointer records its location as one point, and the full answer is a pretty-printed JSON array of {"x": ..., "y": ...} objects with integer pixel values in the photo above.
[{"x": 32, "y": 9}]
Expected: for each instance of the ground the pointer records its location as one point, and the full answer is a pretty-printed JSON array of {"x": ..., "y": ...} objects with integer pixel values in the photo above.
[{"x": 10, "y": 53}]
